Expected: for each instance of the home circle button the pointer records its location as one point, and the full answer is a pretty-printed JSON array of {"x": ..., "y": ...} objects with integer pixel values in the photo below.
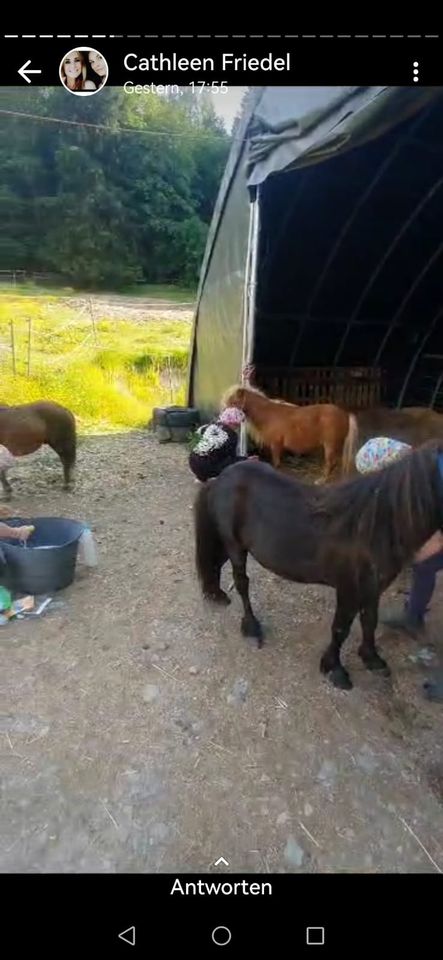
[{"x": 221, "y": 936}]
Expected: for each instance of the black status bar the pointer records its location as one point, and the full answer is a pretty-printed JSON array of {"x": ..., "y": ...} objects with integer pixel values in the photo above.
[{"x": 278, "y": 61}]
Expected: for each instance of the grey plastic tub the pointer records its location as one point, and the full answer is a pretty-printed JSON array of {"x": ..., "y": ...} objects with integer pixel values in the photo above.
[{"x": 47, "y": 562}]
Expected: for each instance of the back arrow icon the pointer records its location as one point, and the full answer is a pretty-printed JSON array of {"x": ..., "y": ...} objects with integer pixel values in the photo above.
[
  {"x": 128, "y": 936},
  {"x": 24, "y": 71}
]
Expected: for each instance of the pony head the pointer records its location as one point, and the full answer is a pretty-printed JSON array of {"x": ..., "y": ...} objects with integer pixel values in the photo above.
[
  {"x": 237, "y": 396},
  {"x": 233, "y": 397}
]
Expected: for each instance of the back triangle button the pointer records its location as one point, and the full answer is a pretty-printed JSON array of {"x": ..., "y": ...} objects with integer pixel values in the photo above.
[{"x": 128, "y": 936}]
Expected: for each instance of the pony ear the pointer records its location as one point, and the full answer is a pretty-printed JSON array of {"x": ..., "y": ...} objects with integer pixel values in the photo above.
[
  {"x": 228, "y": 396},
  {"x": 240, "y": 395}
]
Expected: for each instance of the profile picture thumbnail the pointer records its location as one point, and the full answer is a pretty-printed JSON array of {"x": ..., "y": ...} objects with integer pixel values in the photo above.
[{"x": 83, "y": 71}]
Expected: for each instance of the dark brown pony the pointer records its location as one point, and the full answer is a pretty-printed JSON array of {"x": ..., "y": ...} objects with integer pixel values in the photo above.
[
  {"x": 284, "y": 426},
  {"x": 414, "y": 425},
  {"x": 354, "y": 536},
  {"x": 26, "y": 427}
]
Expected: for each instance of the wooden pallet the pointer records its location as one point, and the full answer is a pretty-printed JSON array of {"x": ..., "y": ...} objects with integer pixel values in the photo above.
[{"x": 354, "y": 387}]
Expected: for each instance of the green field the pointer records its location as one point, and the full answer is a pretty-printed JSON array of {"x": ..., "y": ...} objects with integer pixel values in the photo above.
[
  {"x": 110, "y": 373},
  {"x": 166, "y": 292}
]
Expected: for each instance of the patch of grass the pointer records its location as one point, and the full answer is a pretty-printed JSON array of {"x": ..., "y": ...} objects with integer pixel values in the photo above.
[
  {"x": 168, "y": 292},
  {"x": 111, "y": 378},
  {"x": 162, "y": 292},
  {"x": 35, "y": 290}
]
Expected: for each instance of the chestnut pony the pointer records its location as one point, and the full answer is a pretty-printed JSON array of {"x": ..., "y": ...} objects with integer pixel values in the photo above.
[
  {"x": 284, "y": 426},
  {"x": 26, "y": 427}
]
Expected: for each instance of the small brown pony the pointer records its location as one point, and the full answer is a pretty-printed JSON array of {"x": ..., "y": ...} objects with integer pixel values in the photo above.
[
  {"x": 26, "y": 427},
  {"x": 284, "y": 426}
]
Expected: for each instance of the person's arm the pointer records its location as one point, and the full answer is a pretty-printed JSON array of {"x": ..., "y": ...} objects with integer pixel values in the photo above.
[
  {"x": 432, "y": 546},
  {"x": 15, "y": 533}
]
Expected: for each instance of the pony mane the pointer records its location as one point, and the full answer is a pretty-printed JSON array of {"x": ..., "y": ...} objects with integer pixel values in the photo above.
[
  {"x": 390, "y": 509},
  {"x": 238, "y": 386}
]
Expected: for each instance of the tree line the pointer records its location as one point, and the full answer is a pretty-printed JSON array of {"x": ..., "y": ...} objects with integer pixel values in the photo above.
[{"x": 108, "y": 207}]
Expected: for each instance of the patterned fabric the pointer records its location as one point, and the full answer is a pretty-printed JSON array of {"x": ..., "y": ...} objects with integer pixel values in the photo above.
[
  {"x": 216, "y": 450},
  {"x": 213, "y": 438},
  {"x": 378, "y": 453},
  {"x": 231, "y": 417},
  {"x": 6, "y": 458}
]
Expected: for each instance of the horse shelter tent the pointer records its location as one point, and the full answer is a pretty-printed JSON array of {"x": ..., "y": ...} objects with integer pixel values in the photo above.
[{"x": 324, "y": 259}]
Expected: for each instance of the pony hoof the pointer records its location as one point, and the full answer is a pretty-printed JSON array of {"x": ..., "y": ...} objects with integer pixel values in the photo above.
[
  {"x": 252, "y": 629},
  {"x": 218, "y": 596},
  {"x": 339, "y": 677},
  {"x": 377, "y": 664},
  {"x": 382, "y": 668},
  {"x": 255, "y": 643}
]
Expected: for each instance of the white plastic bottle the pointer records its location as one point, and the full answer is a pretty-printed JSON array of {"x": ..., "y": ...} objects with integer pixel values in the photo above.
[{"x": 87, "y": 550}]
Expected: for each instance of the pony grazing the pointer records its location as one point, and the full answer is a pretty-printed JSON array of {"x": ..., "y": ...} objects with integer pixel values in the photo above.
[
  {"x": 26, "y": 427},
  {"x": 285, "y": 426},
  {"x": 354, "y": 536}
]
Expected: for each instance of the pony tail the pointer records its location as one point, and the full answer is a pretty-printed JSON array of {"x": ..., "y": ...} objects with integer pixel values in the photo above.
[
  {"x": 210, "y": 554},
  {"x": 350, "y": 445}
]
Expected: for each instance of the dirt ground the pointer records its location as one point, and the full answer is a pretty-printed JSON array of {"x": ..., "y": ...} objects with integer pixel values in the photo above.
[
  {"x": 135, "y": 309},
  {"x": 140, "y": 732}
]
